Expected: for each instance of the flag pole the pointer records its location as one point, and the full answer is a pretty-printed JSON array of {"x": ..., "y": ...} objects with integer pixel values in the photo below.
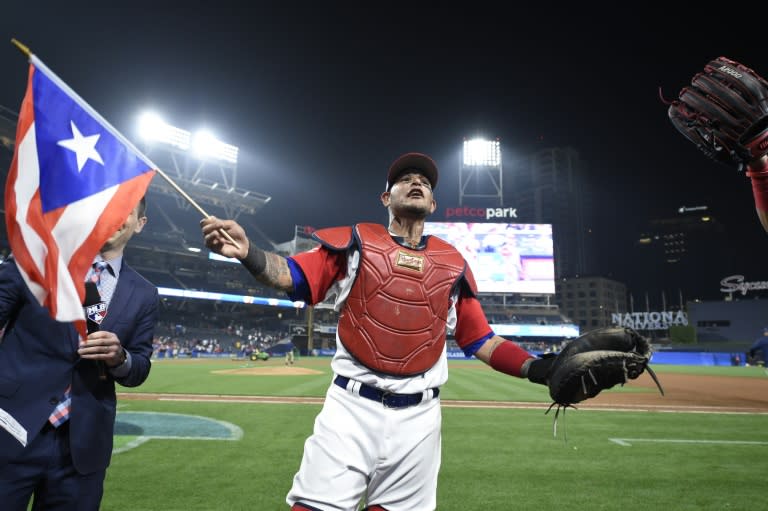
[
  {"x": 28, "y": 53},
  {"x": 22, "y": 48}
]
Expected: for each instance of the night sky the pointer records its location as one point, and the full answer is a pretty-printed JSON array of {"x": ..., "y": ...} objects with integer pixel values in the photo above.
[{"x": 321, "y": 99}]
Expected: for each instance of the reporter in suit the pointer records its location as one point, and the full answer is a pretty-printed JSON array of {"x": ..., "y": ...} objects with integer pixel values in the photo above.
[{"x": 61, "y": 458}]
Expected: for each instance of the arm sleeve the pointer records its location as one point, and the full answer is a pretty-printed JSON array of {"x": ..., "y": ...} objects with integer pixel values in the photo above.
[
  {"x": 472, "y": 328},
  {"x": 314, "y": 272}
]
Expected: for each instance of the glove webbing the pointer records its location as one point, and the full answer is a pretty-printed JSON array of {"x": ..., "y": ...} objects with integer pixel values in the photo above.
[
  {"x": 565, "y": 406},
  {"x": 554, "y": 421}
]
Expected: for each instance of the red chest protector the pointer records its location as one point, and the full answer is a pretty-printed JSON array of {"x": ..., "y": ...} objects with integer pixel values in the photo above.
[{"x": 394, "y": 318}]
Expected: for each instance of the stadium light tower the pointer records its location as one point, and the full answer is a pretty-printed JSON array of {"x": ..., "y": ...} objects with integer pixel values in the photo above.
[
  {"x": 480, "y": 171},
  {"x": 152, "y": 128},
  {"x": 205, "y": 145},
  {"x": 202, "y": 165}
]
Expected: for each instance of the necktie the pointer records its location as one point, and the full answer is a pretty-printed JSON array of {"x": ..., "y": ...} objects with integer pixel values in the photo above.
[
  {"x": 98, "y": 268},
  {"x": 101, "y": 275}
]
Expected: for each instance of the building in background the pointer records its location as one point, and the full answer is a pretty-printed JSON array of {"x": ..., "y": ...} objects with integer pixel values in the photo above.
[
  {"x": 547, "y": 187},
  {"x": 590, "y": 301},
  {"x": 683, "y": 253}
]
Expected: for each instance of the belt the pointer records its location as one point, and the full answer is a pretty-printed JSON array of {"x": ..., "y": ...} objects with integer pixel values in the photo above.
[{"x": 388, "y": 399}]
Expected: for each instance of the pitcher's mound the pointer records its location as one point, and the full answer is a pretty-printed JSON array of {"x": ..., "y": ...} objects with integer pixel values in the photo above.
[{"x": 267, "y": 371}]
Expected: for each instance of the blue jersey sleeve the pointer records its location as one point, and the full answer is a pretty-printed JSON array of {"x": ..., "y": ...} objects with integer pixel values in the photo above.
[
  {"x": 300, "y": 285},
  {"x": 472, "y": 348}
]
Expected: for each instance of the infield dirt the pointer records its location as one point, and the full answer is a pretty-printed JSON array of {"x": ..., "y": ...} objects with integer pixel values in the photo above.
[{"x": 692, "y": 393}]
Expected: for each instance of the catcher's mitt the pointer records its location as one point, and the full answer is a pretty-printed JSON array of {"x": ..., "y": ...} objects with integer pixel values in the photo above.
[
  {"x": 589, "y": 364},
  {"x": 596, "y": 361},
  {"x": 725, "y": 113}
]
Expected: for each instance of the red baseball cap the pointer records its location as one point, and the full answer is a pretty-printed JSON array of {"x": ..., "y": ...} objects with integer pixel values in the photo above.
[{"x": 417, "y": 162}]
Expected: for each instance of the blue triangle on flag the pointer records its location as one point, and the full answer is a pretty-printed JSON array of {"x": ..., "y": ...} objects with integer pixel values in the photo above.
[{"x": 61, "y": 181}]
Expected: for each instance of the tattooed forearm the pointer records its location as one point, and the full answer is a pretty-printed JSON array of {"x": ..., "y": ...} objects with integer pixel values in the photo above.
[
  {"x": 268, "y": 268},
  {"x": 276, "y": 273}
]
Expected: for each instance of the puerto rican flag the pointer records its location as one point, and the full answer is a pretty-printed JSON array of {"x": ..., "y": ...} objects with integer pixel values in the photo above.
[{"x": 73, "y": 181}]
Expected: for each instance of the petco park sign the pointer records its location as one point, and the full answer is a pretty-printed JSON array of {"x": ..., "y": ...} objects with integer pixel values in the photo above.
[
  {"x": 650, "y": 320},
  {"x": 735, "y": 283},
  {"x": 484, "y": 213}
]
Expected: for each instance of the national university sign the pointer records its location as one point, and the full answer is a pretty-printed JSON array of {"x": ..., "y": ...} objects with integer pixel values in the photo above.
[{"x": 650, "y": 320}]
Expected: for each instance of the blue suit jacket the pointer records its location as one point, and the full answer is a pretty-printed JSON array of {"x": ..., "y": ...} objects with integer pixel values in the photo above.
[{"x": 38, "y": 360}]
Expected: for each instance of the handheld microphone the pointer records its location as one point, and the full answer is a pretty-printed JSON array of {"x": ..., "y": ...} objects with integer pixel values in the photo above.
[{"x": 94, "y": 307}]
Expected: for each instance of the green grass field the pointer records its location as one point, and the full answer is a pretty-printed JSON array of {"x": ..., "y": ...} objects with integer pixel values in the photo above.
[{"x": 242, "y": 456}]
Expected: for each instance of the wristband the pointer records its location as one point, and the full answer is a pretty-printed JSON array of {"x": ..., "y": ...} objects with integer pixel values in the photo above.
[
  {"x": 508, "y": 358},
  {"x": 255, "y": 260}
]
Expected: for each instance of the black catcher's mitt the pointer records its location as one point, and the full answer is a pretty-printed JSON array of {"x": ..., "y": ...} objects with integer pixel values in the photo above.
[
  {"x": 723, "y": 111},
  {"x": 589, "y": 364}
]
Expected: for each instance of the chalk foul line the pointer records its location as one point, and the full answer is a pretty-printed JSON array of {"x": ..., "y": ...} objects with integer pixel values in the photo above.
[{"x": 627, "y": 442}]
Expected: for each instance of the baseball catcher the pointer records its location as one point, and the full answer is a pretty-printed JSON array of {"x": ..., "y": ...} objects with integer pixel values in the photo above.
[
  {"x": 591, "y": 363},
  {"x": 725, "y": 113}
]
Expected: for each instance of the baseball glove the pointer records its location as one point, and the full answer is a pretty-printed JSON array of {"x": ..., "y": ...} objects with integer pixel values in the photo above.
[
  {"x": 724, "y": 112},
  {"x": 589, "y": 364}
]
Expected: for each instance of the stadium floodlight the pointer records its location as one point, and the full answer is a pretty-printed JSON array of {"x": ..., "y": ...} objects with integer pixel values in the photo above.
[
  {"x": 479, "y": 152},
  {"x": 205, "y": 145},
  {"x": 153, "y": 128}
]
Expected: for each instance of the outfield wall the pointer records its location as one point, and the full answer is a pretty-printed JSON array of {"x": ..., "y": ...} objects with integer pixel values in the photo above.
[
  {"x": 690, "y": 358},
  {"x": 698, "y": 358}
]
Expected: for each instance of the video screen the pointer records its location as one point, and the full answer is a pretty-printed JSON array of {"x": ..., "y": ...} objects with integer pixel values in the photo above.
[{"x": 504, "y": 258}]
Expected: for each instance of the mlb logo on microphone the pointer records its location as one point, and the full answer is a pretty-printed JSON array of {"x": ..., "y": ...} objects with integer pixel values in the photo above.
[{"x": 96, "y": 312}]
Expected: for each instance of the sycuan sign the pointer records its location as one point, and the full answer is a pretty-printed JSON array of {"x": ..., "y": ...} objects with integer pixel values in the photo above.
[{"x": 735, "y": 283}]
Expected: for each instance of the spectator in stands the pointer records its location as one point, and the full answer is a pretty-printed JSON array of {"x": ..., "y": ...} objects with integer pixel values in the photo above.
[
  {"x": 399, "y": 293},
  {"x": 57, "y": 396}
]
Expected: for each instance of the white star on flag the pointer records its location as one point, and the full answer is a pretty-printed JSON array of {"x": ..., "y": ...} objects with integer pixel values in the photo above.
[{"x": 83, "y": 147}]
